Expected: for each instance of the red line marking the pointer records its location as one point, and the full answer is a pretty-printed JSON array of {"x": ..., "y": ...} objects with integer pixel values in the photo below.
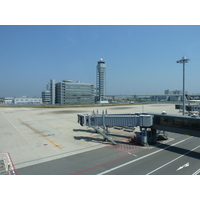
[
  {"x": 100, "y": 164},
  {"x": 123, "y": 148},
  {"x": 120, "y": 148},
  {"x": 91, "y": 134},
  {"x": 13, "y": 164}
]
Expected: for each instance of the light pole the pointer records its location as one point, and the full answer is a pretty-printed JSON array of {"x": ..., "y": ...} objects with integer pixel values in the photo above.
[{"x": 183, "y": 60}]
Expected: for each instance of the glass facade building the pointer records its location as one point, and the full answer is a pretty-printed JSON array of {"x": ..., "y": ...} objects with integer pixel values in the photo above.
[
  {"x": 46, "y": 97},
  {"x": 70, "y": 92}
]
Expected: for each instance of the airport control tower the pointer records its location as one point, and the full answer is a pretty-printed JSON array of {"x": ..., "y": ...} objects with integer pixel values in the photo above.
[{"x": 101, "y": 82}]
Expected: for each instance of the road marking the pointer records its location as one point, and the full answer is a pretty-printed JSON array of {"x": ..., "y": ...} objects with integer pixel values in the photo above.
[
  {"x": 195, "y": 173},
  {"x": 101, "y": 164},
  {"x": 132, "y": 161},
  {"x": 181, "y": 167},
  {"x": 172, "y": 160},
  {"x": 52, "y": 142}
]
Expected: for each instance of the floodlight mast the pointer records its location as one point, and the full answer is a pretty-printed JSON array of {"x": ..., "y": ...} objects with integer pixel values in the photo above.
[{"x": 183, "y": 60}]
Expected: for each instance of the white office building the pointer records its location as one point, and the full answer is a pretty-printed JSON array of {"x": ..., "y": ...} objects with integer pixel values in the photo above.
[
  {"x": 27, "y": 100},
  {"x": 9, "y": 100}
]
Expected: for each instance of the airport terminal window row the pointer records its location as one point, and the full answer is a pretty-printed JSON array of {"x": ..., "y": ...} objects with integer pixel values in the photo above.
[{"x": 177, "y": 122}]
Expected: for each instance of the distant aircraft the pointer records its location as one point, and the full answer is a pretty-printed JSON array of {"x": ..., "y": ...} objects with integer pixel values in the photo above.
[{"x": 190, "y": 99}]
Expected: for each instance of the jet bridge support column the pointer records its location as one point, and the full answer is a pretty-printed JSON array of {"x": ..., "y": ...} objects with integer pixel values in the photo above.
[
  {"x": 146, "y": 121},
  {"x": 153, "y": 132},
  {"x": 144, "y": 140}
]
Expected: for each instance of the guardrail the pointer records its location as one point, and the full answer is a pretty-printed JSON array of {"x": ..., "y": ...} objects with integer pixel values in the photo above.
[{"x": 6, "y": 165}]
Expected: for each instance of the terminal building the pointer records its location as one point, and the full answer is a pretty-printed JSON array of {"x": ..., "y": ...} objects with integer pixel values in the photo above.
[{"x": 71, "y": 92}]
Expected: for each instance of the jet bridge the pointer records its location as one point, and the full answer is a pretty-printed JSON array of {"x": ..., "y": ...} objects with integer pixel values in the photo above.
[
  {"x": 101, "y": 122},
  {"x": 191, "y": 109},
  {"x": 176, "y": 123},
  {"x": 156, "y": 122}
]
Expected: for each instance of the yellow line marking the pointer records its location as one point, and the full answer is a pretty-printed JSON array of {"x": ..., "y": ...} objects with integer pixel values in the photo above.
[
  {"x": 52, "y": 142},
  {"x": 27, "y": 116}
]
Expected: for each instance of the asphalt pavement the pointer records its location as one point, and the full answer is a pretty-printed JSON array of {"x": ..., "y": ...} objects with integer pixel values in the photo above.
[{"x": 179, "y": 156}]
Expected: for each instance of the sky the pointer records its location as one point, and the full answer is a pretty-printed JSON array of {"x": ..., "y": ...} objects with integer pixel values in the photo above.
[{"x": 140, "y": 59}]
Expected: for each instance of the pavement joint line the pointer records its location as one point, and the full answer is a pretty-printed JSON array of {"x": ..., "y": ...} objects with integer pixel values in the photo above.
[
  {"x": 140, "y": 158},
  {"x": 52, "y": 142}
]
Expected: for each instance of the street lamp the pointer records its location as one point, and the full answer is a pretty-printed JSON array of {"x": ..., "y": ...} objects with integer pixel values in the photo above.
[{"x": 183, "y": 60}]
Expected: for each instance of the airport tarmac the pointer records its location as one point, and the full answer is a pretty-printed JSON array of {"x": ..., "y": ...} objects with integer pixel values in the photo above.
[{"x": 34, "y": 136}]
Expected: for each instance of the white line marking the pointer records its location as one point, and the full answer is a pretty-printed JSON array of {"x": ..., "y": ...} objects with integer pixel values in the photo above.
[
  {"x": 172, "y": 160},
  {"x": 181, "y": 167},
  {"x": 132, "y": 161},
  {"x": 195, "y": 173}
]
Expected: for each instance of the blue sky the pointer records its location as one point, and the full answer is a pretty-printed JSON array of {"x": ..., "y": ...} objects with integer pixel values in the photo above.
[{"x": 140, "y": 59}]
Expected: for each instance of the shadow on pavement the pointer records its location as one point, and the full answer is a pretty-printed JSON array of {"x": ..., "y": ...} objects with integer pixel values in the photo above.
[
  {"x": 181, "y": 151},
  {"x": 83, "y": 130},
  {"x": 87, "y": 139}
]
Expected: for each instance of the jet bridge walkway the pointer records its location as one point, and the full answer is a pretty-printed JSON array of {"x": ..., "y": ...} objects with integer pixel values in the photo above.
[
  {"x": 156, "y": 122},
  {"x": 177, "y": 123},
  {"x": 104, "y": 120}
]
